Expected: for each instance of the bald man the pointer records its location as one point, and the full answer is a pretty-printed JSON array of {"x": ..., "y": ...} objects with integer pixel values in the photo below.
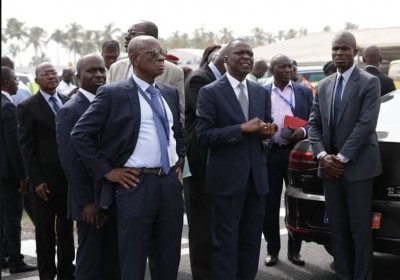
[
  {"x": 259, "y": 69},
  {"x": 372, "y": 59}
]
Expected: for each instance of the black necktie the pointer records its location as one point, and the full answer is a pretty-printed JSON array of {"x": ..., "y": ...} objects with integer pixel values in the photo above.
[
  {"x": 337, "y": 99},
  {"x": 55, "y": 104}
]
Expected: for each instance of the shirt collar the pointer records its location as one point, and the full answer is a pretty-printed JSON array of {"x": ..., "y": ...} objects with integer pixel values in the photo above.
[
  {"x": 346, "y": 75},
  {"x": 290, "y": 85},
  {"x": 141, "y": 83},
  {"x": 234, "y": 83},
  {"x": 6, "y": 94},
  {"x": 215, "y": 70},
  {"x": 90, "y": 96}
]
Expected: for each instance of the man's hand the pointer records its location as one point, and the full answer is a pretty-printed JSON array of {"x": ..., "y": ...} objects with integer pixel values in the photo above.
[
  {"x": 126, "y": 177},
  {"x": 251, "y": 126},
  {"x": 333, "y": 167},
  {"x": 91, "y": 215},
  {"x": 297, "y": 135},
  {"x": 267, "y": 130},
  {"x": 42, "y": 191}
]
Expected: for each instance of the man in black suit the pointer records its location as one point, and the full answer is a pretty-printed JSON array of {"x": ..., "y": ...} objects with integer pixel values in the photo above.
[
  {"x": 288, "y": 99},
  {"x": 372, "y": 59},
  {"x": 233, "y": 120},
  {"x": 131, "y": 140},
  {"x": 37, "y": 139},
  {"x": 97, "y": 254},
  {"x": 13, "y": 177},
  {"x": 199, "y": 216}
]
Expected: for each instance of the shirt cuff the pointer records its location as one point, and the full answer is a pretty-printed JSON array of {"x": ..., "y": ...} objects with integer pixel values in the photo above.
[
  {"x": 304, "y": 132},
  {"x": 321, "y": 155},
  {"x": 342, "y": 158}
]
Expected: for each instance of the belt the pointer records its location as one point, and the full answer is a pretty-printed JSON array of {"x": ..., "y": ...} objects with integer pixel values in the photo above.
[
  {"x": 282, "y": 146},
  {"x": 154, "y": 171}
]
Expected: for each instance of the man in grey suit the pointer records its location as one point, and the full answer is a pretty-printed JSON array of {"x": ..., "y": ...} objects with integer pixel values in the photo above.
[
  {"x": 343, "y": 138},
  {"x": 172, "y": 75}
]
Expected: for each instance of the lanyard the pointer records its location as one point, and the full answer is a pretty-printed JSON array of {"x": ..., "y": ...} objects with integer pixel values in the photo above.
[
  {"x": 289, "y": 103},
  {"x": 163, "y": 119}
]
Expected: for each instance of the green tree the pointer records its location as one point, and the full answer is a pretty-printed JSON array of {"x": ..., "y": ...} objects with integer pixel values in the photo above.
[
  {"x": 15, "y": 32},
  {"x": 36, "y": 37},
  {"x": 327, "y": 29},
  {"x": 109, "y": 31},
  {"x": 37, "y": 59},
  {"x": 74, "y": 34},
  {"x": 258, "y": 36},
  {"x": 270, "y": 38},
  {"x": 291, "y": 34},
  {"x": 226, "y": 35},
  {"x": 350, "y": 26},
  {"x": 90, "y": 42},
  {"x": 60, "y": 38}
]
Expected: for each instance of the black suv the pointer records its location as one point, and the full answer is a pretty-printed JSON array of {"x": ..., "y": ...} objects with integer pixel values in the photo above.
[{"x": 304, "y": 197}]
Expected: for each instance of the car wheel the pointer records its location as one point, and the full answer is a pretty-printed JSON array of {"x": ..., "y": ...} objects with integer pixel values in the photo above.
[{"x": 329, "y": 249}]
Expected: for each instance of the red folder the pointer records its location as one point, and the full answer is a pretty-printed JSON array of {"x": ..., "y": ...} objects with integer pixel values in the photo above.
[{"x": 293, "y": 122}]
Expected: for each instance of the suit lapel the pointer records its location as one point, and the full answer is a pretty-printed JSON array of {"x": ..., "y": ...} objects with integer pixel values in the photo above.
[
  {"x": 350, "y": 85},
  {"x": 132, "y": 92},
  {"x": 45, "y": 107},
  {"x": 230, "y": 96},
  {"x": 329, "y": 95},
  {"x": 82, "y": 100}
]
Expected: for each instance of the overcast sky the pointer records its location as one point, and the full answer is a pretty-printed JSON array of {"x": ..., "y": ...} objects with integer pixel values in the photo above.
[{"x": 213, "y": 15}]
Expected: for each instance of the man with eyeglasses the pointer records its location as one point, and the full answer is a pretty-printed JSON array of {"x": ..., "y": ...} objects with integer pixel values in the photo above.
[
  {"x": 172, "y": 74},
  {"x": 37, "y": 139},
  {"x": 138, "y": 160}
]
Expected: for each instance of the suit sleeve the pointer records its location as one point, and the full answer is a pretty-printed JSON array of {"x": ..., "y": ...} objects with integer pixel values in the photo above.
[
  {"x": 27, "y": 144},
  {"x": 9, "y": 126},
  {"x": 210, "y": 133},
  {"x": 79, "y": 182},
  {"x": 315, "y": 126},
  {"x": 180, "y": 85},
  {"x": 192, "y": 88},
  {"x": 85, "y": 136},
  {"x": 367, "y": 120}
]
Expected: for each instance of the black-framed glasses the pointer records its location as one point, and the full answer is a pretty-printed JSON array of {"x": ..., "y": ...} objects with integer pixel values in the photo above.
[
  {"x": 134, "y": 33},
  {"x": 47, "y": 74},
  {"x": 155, "y": 53}
]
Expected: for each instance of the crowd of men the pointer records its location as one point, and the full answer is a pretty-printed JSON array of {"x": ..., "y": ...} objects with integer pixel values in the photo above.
[{"x": 111, "y": 158}]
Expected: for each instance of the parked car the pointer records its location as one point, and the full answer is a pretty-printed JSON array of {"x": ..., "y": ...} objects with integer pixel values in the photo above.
[
  {"x": 304, "y": 197},
  {"x": 394, "y": 72},
  {"x": 312, "y": 73}
]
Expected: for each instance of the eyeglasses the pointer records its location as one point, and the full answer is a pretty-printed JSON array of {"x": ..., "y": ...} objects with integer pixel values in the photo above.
[
  {"x": 155, "y": 53},
  {"x": 134, "y": 33},
  {"x": 47, "y": 74}
]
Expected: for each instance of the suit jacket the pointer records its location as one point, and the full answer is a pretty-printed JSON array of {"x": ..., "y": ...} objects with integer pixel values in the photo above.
[
  {"x": 81, "y": 188},
  {"x": 303, "y": 97},
  {"x": 11, "y": 165},
  {"x": 196, "y": 154},
  {"x": 387, "y": 83},
  {"x": 172, "y": 75},
  {"x": 37, "y": 139},
  {"x": 233, "y": 156},
  {"x": 355, "y": 130},
  {"x": 106, "y": 135}
]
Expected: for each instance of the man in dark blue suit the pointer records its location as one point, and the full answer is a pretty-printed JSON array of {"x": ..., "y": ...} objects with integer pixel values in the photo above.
[
  {"x": 233, "y": 119},
  {"x": 131, "y": 139},
  {"x": 97, "y": 255},
  {"x": 288, "y": 99},
  {"x": 13, "y": 177}
]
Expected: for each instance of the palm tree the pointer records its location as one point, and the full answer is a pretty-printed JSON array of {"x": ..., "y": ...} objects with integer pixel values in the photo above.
[
  {"x": 109, "y": 31},
  {"x": 89, "y": 44},
  {"x": 350, "y": 26},
  {"x": 226, "y": 35},
  {"x": 270, "y": 38},
  {"x": 291, "y": 34},
  {"x": 258, "y": 36},
  {"x": 36, "y": 37},
  {"x": 327, "y": 29},
  {"x": 60, "y": 38},
  {"x": 15, "y": 32},
  {"x": 74, "y": 35},
  {"x": 37, "y": 59}
]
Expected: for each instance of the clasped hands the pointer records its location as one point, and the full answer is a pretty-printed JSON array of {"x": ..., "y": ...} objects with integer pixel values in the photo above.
[
  {"x": 333, "y": 167},
  {"x": 265, "y": 130}
]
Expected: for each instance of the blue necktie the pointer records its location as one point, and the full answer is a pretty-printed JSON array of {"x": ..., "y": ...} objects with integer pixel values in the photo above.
[
  {"x": 161, "y": 130},
  {"x": 56, "y": 107},
  {"x": 337, "y": 99}
]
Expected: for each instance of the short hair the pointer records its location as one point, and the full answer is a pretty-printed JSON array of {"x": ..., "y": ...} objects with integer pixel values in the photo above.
[
  {"x": 110, "y": 45},
  {"x": 207, "y": 52},
  {"x": 149, "y": 28},
  {"x": 6, "y": 61},
  {"x": 6, "y": 74},
  {"x": 329, "y": 67}
]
